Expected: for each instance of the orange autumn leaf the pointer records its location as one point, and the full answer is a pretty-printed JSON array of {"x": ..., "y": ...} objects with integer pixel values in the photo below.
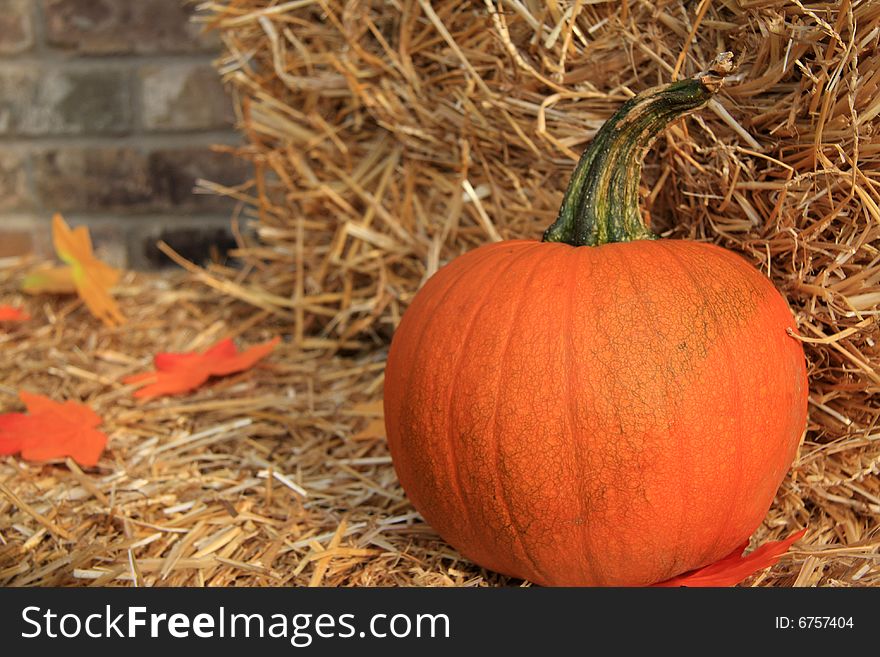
[
  {"x": 13, "y": 314},
  {"x": 52, "y": 430},
  {"x": 90, "y": 278},
  {"x": 734, "y": 568},
  {"x": 182, "y": 372}
]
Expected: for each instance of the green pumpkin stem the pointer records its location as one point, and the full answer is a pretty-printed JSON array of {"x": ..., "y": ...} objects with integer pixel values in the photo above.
[{"x": 601, "y": 204}]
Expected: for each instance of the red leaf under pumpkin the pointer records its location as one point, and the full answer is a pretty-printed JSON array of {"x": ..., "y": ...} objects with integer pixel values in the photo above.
[
  {"x": 13, "y": 314},
  {"x": 734, "y": 568},
  {"x": 182, "y": 372},
  {"x": 52, "y": 430}
]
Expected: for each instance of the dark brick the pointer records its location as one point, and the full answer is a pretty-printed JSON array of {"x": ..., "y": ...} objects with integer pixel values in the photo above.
[
  {"x": 13, "y": 181},
  {"x": 99, "y": 27},
  {"x": 34, "y": 102},
  {"x": 16, "y": 27},
  {"x": 199, "y": 244},
  {"x": 93, "y": 179},
  {"x": 184, "y": 97},
  {"x": 174, "y": 172}
]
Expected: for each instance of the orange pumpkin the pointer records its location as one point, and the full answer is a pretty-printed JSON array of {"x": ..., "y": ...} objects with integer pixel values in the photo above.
[{"x": 601, "y": 407}]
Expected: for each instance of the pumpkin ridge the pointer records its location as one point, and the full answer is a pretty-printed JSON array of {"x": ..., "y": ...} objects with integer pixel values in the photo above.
[
  {"x": 648, "y": 307},
  {"x": 587, "y": 550},
  {"x": 451, "y": 442},
  {"x": 611, "y": 254},
  {"x": 495, "y": 472},
  {"x": 765, "y": 292},
  {"x": 439, "y": 300},
  {"x": 686, "y": 474},
  {"x": 425, "y": 317},
  {"x": 735, "y": 388}
]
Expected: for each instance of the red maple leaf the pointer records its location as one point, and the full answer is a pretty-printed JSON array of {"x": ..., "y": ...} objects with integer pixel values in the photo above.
[
  {"x": 12, "y": 314},
  {"x": 734, "y": 568},
  {"x": 52, "y": 430},
  {"x": 181, "y": 372}
]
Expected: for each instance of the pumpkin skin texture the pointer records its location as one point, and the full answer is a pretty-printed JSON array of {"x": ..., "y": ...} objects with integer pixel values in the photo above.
[{"x": 595, "y": 416}]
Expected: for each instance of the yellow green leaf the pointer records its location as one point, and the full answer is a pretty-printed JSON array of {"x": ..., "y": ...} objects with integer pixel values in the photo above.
[
  {"x": 49, "y": 280},
  {"x": 92, "y": 278}
]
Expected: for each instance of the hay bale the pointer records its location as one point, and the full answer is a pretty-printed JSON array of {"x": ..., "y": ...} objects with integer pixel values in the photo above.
[
  {"x": 388, "y": 141},
  {"x": 389, "y": 138}
]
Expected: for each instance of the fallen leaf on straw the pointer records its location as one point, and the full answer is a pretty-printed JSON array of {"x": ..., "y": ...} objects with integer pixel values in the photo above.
[
  {"x": 13, "y": 314},
  {"x": 90, "y": 278},
  {"x": 52, "y": 430},
  {"x": 93, "y": 278},
  {"x": 49, "y": 280},
  {"x": 182, "y": 372},
  {"x": 734, "y": 568}
]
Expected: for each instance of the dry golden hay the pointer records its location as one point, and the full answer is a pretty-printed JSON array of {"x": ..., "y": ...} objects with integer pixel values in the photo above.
[
  {"x": 389, "y": 137},
  {"x": 275, "y": 476}
]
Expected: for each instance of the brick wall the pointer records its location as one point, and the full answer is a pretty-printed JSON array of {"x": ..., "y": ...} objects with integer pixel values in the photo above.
[{"x": 109, "y": 110}]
